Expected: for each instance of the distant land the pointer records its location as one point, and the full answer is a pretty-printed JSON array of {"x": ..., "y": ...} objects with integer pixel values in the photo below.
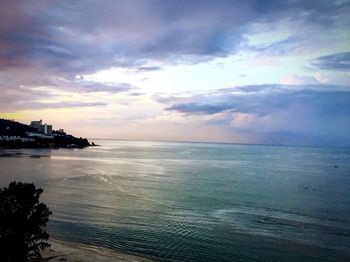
[{"x": 17, "y": 135}]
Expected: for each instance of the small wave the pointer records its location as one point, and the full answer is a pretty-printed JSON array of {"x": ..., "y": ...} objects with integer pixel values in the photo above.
[
  {"x": 84, "y": 252},
  {"x": 279, "y": 224},
  {"x": 187, "y": 152},
  {"x": 92, "y": 179}
]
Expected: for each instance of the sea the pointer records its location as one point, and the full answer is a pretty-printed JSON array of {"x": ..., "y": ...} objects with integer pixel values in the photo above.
[{"x": 181, "y": 201}]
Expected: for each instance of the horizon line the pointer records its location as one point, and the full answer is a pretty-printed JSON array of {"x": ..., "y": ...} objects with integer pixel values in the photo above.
[{"x": 223, "y": 143}]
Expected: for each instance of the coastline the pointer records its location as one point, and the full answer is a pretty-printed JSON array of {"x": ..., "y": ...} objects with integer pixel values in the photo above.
[
  {"x": 76, "y": 252},
  {"x": 15, "y": 135}
]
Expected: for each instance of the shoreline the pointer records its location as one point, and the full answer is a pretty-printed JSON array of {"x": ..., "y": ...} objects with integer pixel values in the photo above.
[{"x": 77, "y": 252}]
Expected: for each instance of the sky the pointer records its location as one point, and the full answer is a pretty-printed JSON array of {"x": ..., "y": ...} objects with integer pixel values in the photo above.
[{"x": 262, "y": 72}]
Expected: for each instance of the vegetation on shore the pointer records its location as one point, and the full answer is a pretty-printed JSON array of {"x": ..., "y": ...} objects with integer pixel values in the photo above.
[
  {"x": 23, "y": 220},
  {"x": 20, "y": 138}
]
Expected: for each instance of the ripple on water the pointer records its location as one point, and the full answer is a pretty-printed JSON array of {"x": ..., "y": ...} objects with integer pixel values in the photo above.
[{"x": 284, "y": 225}]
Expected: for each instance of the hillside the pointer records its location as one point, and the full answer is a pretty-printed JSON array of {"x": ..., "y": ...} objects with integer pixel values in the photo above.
[
  {"x": 13, "y": 128},
  {"x": 57, "y": 140}
]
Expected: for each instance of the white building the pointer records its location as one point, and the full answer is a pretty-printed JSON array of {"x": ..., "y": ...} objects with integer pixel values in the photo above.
[
  {"x": 32, "y": 134},
  {"x": 9, "y": 138},
  {"x": 45, "y": 128},
  {"x": 36, "y": 124}
]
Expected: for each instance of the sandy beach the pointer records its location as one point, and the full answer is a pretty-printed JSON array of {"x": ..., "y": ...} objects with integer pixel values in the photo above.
[{"x": 75, "y": 252}]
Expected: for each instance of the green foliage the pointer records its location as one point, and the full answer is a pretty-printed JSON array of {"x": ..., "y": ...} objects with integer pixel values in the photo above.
[{"x": 22, "y": 222}]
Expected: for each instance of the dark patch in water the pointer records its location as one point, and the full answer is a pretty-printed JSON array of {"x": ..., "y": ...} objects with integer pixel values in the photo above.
[
  {"x": 20, "y": 155},
  {"x": 4, "y": 155}
]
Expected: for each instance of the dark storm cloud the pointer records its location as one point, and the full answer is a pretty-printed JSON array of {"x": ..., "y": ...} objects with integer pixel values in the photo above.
[{"x": 339, "y": 61}]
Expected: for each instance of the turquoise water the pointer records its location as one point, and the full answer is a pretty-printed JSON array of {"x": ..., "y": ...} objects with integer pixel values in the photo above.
[{"x": 195, "y": 201}]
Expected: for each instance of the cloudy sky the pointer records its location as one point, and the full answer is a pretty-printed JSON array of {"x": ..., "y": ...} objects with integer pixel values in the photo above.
[{"x": 253, "y": 71}]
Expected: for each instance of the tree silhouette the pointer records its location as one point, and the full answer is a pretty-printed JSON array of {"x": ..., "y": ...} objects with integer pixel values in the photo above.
[{"x": 22, "y": 222}]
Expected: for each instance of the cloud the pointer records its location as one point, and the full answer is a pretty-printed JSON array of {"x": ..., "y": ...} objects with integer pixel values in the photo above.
[
  {"x": 299, "y": 80},
  {"x": 136, "y": 94},
  {"x": 313, "y": 111},
  {"x": 277, "y": 48},
  {"x": 199, "y": 108},
  {"x": 82, "y": 36},
  {"x": 338, "y": 61},
  {"x": 65, "y": 38},
  {"x": 148, "y": 68},
  {"x": 57, "y": 105},
  {"x": 266, "y": 99},
  {"x": 18, "y": 93},
  {"x": 45, "y": 45},
  {"x": 89, "y": 86}
]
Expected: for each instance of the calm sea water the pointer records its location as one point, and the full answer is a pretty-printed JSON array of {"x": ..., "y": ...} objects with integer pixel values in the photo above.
[{"x": 195, "y": 201}]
